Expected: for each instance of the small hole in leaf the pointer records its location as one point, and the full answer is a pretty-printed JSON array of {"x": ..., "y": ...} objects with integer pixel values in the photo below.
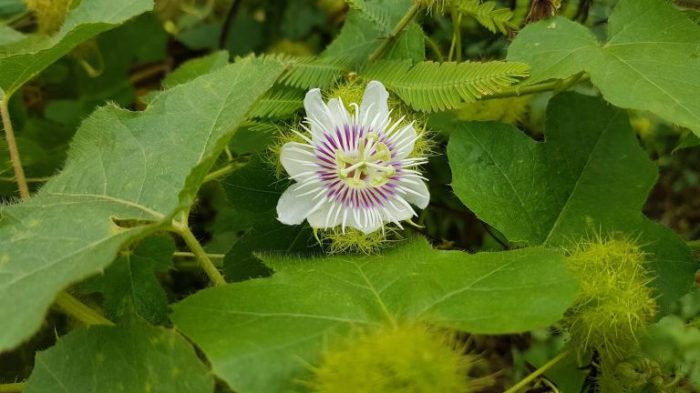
[{"x": 126, "y": 223}]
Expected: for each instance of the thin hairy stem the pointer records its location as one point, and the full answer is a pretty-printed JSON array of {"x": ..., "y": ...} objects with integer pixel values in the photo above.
[
  {"x": 15, "y": 19},
  {"x": 223, "y": 171},
  {"x": 191, "y": 255},
  {"x": 148, "y": 72},
  {"x": 208, "y": 266},
  {"x": 389, "y": 41},
  {"x": 79, "y": 310},
  {"x": 457, "y": 35},
  {"x": 11, "y": 387},
  {"x": 435, "y": 48},
  {"x": 527, "y": 380},
  {"x": 14, "y": 152},
  {"x": 28, "y": 179},
  {"x": 228, "y": 21},
  {"x": 557, "y": 85}
]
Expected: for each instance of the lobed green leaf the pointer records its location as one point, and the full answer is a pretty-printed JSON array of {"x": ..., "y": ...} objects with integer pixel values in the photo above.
[
  {"x": 127, "y": 174},
  {"x": 133, "y": 357},
  {"x": 588, "y": 178},
  {"x": 21, "y": 60},
  {"x": 432, "y": 87},
  {"x": 262, "y": 335},
  {"x": 650, "y": 61}
]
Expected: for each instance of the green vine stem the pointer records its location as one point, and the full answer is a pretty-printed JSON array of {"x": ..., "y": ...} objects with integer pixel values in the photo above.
[
  {"x": 28, "y": 179},
  {"x": 457, "y": 36},
  {"x": 556, "y": 85},
  {"x": 186, "y": 254},
  {"x": 14, "y": 152},
  {"x": 386, "y": 43},
  {"x": 527, "y": 380},
  {"x": 79, "y": 310},
  {"x": 11, "y": 387},
  {"x": 223, "y": 171},
  {"x": 208, "y": 266},
  {"x": 435, "y": 48}
]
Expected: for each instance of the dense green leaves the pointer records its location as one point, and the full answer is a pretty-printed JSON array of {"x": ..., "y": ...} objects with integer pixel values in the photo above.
[
  {"x": 127, "y": 174},
  {"x": 650, "y": 61},
  {"x": 279, "y": 103},
  {"x": 432, "y": 87},
  {"x": 133, "y": 357},
  {"x": 487, "y": 13},
  {"x": 261, "y": 334},
  {"x": 589, "y": 177},
  {"x": 362, "y": 33},
  {"x": 177, "y": 173},
  {"x": 21, "y": 60},
  {"x": 253, "y": 192},
  {"x": 196, "y": 67},
  {"x": 130, "y": 284}
]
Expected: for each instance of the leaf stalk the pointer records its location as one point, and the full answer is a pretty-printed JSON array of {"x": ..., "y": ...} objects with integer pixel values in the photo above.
[
  {"x": 14, "y": 152},
  {"x": 525, "y": 381},
  {"x": 11, "y": 387},
  {"x": 456, "y": 47},
  {"x": 556, "y": 85},
  {"x": 223, "y": 171},
  {"x": 388, "y": 41},
  {"x": 79, "y": 310},
  {"x": 186, "y": 254},
  {"x": 207, "y": 265}
]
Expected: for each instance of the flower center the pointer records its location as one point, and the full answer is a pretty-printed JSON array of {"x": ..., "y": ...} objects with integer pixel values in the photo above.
[{"x": 369, "y": 166}]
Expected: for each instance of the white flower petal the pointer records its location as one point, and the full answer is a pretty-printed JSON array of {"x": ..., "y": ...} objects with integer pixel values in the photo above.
[
  {"x": 338, "y": 112},
  {"x": 298, "y": 160},
  {"x": 326, "y": 216},
  {"x": 375, "y": 102},
  {"x": 316, "y": 112},
  {"x": 418, "y": 193},
  {"x": 395, "y": 211},
  {"x": 404, "y": 140},
  {"x": 366, "y": 220},
  {"x": 292, "y": 208}
]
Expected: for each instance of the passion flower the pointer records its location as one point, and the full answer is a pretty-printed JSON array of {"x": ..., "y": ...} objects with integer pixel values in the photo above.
[{"x": 354, "y": 169}]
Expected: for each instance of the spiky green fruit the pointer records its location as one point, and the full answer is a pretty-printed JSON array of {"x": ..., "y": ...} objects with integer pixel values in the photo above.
[
  {"x": 410, "y": 358},
  {"x": 50, "y": 14},
  {"x": 355, "y": 241},
  {"x": 615, "y": 302},
  {"x": 509, "y": 110}
]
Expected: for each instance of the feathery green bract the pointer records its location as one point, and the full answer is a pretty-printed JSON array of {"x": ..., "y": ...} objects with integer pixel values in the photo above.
[
  {"x": 360, "y": 35},
  {"x": 431, "y": 87},
  {"x": 486, "y": 13},
  {"x": 375, "y": 12},
  {"x": 309, "y": 72},
  {"x": 278, "y": 103}
]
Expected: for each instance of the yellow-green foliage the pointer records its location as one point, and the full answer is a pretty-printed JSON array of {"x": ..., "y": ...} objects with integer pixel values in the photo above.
[
  {"x": 50, "y": 14},
  {"x": 349, "y": 92},
  {"x": 410, "y": 358},
  {"x": 509, "y": 110},
  {"x": 614, "y": 303},
  {"x": 294, "y": 48}
]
